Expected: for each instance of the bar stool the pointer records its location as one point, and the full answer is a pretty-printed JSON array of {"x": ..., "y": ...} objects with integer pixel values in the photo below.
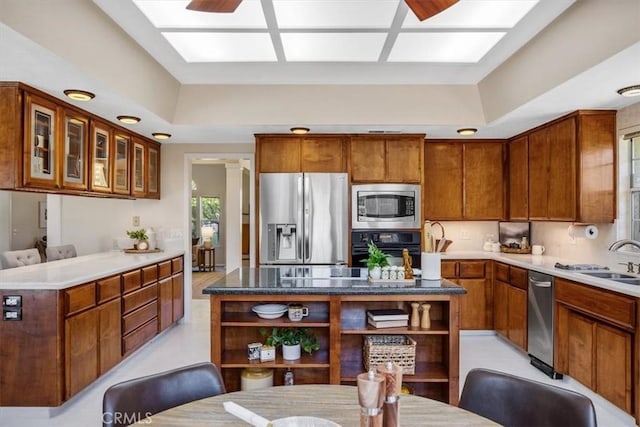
[
  {"x": 12, "y": 259},
  {"x": 60, "y": 252}
]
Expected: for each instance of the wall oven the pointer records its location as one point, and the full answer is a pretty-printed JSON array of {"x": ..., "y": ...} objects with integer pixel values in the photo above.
[
  {"x": 391, "y": 242},
  {"x": 390, "y": 206}
]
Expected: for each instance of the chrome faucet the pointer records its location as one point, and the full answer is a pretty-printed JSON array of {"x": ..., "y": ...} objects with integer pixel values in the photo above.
[{"x": 620, "y": 243}]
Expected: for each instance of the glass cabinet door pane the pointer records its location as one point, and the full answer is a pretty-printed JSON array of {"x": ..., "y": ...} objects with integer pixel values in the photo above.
[
  {"x": 121, "y": 176},
  {"x": 153, "y": 170},
  {"x": 138, "y": 167},
  {"x": 100, "y": 175},
  {"x": 43, "y": 143},
  {"x": 74, "y": 158}
]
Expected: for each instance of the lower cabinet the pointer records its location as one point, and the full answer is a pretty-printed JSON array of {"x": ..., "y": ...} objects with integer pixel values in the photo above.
[
  {"x": 92, "y": 345},
  {"x": 476, "y": 307},
  {"x": 510, "y": 303},
  {"x": 594, "y": 340}
]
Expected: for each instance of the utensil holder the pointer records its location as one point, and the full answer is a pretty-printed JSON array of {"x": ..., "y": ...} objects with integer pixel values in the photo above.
[{"x": 431, "y": 265}]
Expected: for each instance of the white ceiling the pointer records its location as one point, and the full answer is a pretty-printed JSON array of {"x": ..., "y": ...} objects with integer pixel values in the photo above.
[{"x": 384, "y": 47}]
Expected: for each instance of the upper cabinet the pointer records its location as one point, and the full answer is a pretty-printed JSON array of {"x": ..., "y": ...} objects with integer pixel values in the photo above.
[
  {"x": 464, "y": 180},
  {"x": 387, "y": 158},
  {"x": 572, "y": 169},
  {"x": 47, "y": 145},
  {"x": 518, "y": 183},
  {"x": 293, "y": 153},
  {"x": 138, "y": 184}
]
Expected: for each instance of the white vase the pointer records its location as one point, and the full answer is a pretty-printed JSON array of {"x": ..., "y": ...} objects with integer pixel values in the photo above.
[
  {"x": 291, "y": 352},
  {"x": 375, "y": 272}
]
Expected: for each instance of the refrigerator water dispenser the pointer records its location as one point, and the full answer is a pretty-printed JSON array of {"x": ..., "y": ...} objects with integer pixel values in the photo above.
[{"x": 282, "y": 242}]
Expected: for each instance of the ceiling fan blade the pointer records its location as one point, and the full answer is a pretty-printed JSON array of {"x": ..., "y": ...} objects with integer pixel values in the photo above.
[
  {"x": 427, "y": 8},
  {"x": 217, "y": 6}
]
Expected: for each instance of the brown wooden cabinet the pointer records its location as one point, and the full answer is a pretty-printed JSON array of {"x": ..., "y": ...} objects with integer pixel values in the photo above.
[
  {"x": 572, "y": 170},
  {"x": 510, "y": 303},
  {"x": 54, "y": 147},
  {"x": 595, "y": 331},
  {"x": 92, "y": 334},
  {"x": 464, "y": 180},
  {"x": 293, "y": 153},
  {"x": 138, "y": 168},
  {"x": 518, "y": 182},
  {"x": 476, "y": 307},
  {"x": 388, "y": 158},
  {"x": 170, "y": 294},
  {"x": 340, "y": 325}
]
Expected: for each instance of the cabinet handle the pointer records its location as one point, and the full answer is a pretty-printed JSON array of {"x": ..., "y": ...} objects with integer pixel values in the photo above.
[{"x": 540, "y": 284}]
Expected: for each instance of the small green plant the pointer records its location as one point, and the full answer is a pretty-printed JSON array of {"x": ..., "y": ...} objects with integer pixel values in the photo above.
[
  {"x": 377, "y": 258},
  {"x": 138, "y": 234},
  {"x": 291, "y": 336}
]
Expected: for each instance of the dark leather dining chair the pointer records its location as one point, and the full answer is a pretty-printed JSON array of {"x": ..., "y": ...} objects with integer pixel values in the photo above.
[
  {"x": 515, "y": 401},
  {"x": 135, "y": 400}
]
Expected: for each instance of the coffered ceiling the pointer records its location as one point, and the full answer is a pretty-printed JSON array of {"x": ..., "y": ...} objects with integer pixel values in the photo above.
[{"x": 501, "y": 66}]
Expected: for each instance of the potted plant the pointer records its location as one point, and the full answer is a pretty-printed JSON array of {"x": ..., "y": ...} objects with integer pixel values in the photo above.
[
  {"x": 292, "y": 341},
  {"x": 376, "y": 260},
  {"x": 141, "y": 239}
]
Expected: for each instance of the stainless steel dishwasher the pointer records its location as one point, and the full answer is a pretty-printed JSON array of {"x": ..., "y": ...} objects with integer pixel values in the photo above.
[{"x": 540, "y": 323}]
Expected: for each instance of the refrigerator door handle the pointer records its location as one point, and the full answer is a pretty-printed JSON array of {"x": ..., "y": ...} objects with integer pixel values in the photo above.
[
  {"x": 307, "y": 218},
  {"x": 299, "y": 220}
]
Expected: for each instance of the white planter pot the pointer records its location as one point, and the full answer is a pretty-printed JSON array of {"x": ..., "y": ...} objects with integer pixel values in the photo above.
[
  {"x": 375, "y": 272},
  {"x": 291, "y": 352}
]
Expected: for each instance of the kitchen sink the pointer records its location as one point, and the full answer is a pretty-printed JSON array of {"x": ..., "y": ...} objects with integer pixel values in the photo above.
[{"x": 617, "y": 277}]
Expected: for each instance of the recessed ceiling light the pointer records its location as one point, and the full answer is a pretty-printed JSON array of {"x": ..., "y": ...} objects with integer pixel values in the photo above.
[
  {"x": 130, "y": 120},
  {"x": 467, "y": 131},
  {"x": 630, "y": 90},
  {"x": 299, "y": 130},
  {"x": 161, "y": 135},
  {"x": 79, "y": 95}
]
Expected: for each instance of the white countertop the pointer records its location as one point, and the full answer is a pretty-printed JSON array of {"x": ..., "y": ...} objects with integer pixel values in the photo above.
[
  {"x": 546, "y": 264},
  {"x": 61, "y": 274}
]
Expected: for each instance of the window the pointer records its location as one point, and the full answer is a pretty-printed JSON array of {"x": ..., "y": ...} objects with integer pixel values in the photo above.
[
  {"x": 635, "y": 188},
  {"x": 205, "y": 212}
]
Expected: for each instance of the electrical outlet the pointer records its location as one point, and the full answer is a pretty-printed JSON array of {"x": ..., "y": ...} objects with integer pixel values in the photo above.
[
  {"x": 136, "y": 221},
  {"x": 464, "y": 235}
]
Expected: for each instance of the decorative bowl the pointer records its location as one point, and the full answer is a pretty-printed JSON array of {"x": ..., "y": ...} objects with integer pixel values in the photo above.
[{"x": 270, "y": 311}]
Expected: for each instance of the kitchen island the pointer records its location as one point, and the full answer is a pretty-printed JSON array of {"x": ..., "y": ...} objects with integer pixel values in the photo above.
[{"x": 338, "y": 299}]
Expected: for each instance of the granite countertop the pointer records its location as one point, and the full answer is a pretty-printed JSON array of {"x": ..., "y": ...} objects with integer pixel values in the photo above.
[
  {"x": 64, "y": 273},
  {"x": 321, "y": 281},
  {"x": 546, "y": 264}
]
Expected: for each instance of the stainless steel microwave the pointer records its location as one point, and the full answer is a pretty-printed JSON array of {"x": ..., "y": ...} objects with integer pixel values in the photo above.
[{"x": 391, "y": 206}]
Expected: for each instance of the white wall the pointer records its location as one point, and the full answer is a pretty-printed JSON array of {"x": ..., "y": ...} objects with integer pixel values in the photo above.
[
  {"x": 25, "y": 226},
  {"x": 5, "y": 221}
]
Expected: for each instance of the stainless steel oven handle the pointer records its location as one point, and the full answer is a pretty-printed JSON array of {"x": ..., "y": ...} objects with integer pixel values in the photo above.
[{"x": 540, "y": 284}]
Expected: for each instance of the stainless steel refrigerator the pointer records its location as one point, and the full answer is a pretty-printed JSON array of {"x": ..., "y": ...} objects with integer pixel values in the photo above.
[{"x": 304, "y": 218}]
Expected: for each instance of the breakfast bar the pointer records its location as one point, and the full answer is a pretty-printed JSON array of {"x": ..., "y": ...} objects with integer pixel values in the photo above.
[{"x": 337, "y": 299}]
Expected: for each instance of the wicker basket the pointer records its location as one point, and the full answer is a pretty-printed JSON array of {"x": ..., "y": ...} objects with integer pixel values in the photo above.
[{"x": 400, "y": 349}]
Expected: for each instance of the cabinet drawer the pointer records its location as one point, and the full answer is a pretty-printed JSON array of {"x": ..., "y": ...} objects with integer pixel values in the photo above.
[
  {"x": 80, "y": 298},
  {"x": 448, "y": 269},
  {"x": 131, "y": 281},
  {"x": 502, "y": 272},
  {"x": 140, "y": 336},
  {"x": 149, "y": 274},
  {"x": 139, "y": 298},
  {"x": 176, "y": 265},
  {"x": 139, "y": 317},
  {"x": 164, "y": 269},
  {"x": 519, "y": 277},
  {"x": 615, "y": 308},
  {"x": 108, "y": 288},
  {"x": 472, "y": 269}
]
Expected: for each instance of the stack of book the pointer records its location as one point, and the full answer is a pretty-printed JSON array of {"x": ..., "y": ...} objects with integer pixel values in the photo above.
[{"x": 388, "y": 318}]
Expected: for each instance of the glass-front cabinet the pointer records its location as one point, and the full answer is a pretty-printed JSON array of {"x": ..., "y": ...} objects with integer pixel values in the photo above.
[
  {"x": 40, "y": 159},
  {"x": 74, "y": 161},
  {"x": 101, "y": 157},
  {"x": 153, "y": 171},
  {"x": 138, "y": 188},
  {"x": 121, "y": 175}
]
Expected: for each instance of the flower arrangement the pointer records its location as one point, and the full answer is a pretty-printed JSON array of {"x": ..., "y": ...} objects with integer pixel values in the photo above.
[
  {"x": 138, "y": 234},
  {"x": 376, "y": 258}
]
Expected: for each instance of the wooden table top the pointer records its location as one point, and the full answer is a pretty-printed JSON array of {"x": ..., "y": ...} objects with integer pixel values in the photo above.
[{"x": 333, "y": 402}]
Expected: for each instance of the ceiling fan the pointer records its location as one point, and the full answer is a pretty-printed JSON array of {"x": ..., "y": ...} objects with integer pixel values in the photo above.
[{"x": 423, "y": 9}]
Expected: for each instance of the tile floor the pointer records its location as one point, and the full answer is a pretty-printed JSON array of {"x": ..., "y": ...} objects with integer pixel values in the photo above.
[{"x": 189, "y": 343}]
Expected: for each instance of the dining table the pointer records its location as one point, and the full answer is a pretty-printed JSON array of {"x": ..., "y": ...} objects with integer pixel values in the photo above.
[{"x": 337, "y": 403}]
